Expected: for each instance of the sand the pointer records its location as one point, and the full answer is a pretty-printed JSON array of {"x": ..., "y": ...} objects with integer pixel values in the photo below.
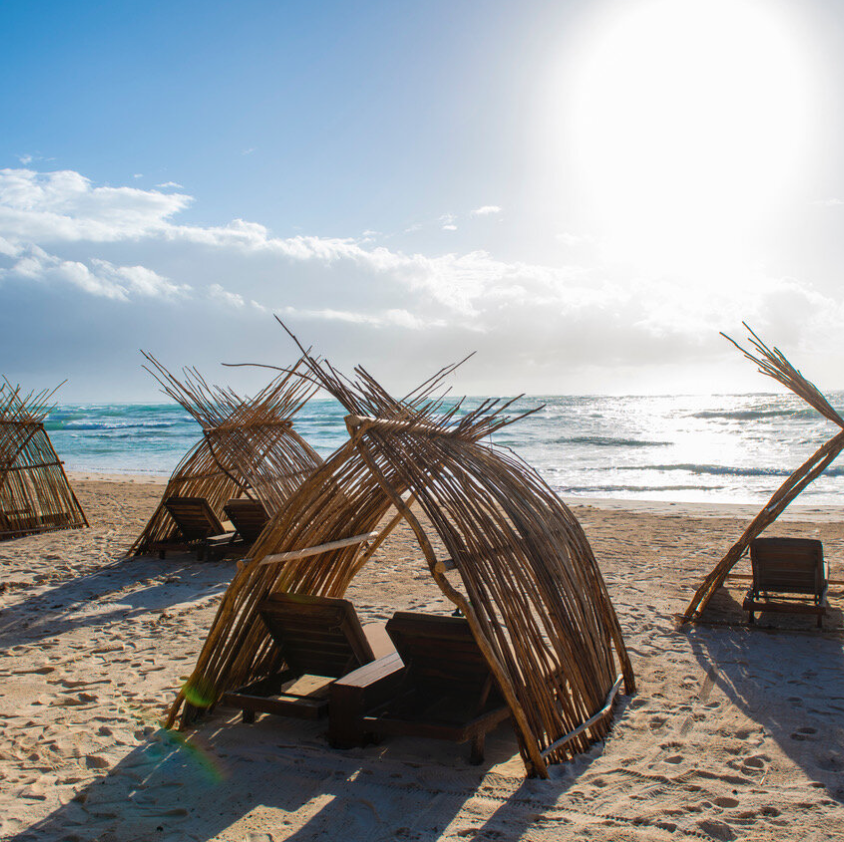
[{"x": 734, "y": 733}]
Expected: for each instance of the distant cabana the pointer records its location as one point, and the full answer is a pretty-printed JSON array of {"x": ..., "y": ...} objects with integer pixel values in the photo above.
[
  {"x": 248, "y": 449},
  {"x": 772, "y": 363},
  {"x": 524, "y": 575},
  {"x": 35, "y": 495}
]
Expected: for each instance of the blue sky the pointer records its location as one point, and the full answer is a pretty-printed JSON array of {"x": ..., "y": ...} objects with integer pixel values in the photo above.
[{"x": 583, "y": 193}]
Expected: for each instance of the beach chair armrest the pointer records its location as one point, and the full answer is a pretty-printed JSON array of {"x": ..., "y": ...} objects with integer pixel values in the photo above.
[{"x": 357, "y": 692}]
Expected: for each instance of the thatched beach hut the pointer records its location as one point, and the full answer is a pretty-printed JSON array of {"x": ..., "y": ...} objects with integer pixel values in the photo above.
[
  {"x": 248, "y": 448},
  {"x": 524, "y": 575},
  {"x": 35, "y": 495},
  {"x": 773, "y": 363}
]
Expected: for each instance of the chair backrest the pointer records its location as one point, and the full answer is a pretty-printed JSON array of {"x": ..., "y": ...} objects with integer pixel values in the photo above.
[
  {"x": 194, "y": 517},
  {"x": 788, "y": 565},
  {"x": 249, "y": 517},
  {"x": 440, "y": 654},
  {"x": 316, "y": 635}
]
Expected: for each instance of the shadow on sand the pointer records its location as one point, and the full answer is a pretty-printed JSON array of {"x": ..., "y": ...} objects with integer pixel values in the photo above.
[
  {"x": 122, "y": 589},
  {"x": 782, "y": 660},
  {"x": 249, "y": 780}
]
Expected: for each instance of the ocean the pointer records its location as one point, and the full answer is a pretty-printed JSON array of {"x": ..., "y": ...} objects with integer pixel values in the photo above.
[{"x": 716, "y": 448}]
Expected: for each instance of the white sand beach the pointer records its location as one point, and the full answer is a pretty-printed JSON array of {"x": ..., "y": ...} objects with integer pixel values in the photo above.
[{"x": 734, "y": 733}]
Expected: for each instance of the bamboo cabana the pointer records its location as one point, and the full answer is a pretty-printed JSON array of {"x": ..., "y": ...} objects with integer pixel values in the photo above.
[
  {"x": 524, "y": 574},
  {"x": 772, "y": 363},
  {"x": 35, "y": 495},
  {"x": 248, "y": 448}
]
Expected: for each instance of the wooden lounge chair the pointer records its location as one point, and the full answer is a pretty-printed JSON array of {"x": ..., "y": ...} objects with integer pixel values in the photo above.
[
  {"x": 793, "y": 569},
  {"x": 319, "y": 640},
  {"x": 249, "y": 517},
  {"x": 437, "y": 685},
  {"x": 199, "y": 527}
]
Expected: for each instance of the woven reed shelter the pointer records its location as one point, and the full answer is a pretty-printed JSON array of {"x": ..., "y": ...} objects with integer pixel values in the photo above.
[
  {"x": 772, "y": 363},
  {"x": 35, "y": 495},
  {"x": 248, "y": 447},
  {"x": 526, "y": 578}
]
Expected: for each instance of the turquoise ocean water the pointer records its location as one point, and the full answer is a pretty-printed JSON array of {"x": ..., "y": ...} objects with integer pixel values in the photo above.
[{"x": 721, "y": 448}]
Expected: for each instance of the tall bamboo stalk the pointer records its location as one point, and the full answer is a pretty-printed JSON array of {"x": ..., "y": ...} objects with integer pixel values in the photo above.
[{"x": 772, "y": 363}]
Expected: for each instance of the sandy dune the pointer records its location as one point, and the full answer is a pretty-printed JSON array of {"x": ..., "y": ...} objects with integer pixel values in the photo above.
[{"x": 734, "y": 733}]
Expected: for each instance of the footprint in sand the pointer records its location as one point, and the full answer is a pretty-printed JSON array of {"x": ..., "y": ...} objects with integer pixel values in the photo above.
[
  {"x": 804, "y": 733},
  {"x": 831, "y": 761},
  {"x": 716, "y": 829},
  {"x": 755, "y": 762}
]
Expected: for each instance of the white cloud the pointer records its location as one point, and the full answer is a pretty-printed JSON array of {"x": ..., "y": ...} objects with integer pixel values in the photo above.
[
  {"x": 231, "y": 299},
  {"x": 138, "y": 280},
  {"x": 124, "y": 244},
  {"x": 65, "y": 206},
  {"x": 8, "y": 248},
  {"x": 100, "y": 277},
  {"x": 25, "y": 159},
  {"x": 828, "y": 203},
  {"x": 385, "y": 318},
  {"x": 486, "y": 210},
  {"x": 569, "y": 239},
  {"x": 168, "y": 184},
  {"x": 447, "y": 221}
]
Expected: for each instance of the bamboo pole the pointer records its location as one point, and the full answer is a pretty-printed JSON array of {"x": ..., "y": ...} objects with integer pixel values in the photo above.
[
  {"x": 277, "y": 558},
  {"x": 772, "y": 363}
]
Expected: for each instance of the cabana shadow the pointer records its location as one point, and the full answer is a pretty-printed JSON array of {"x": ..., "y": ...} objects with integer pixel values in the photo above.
[
  {"x": 62, "y": 608},
  {"x": 747, "y": 664},
  {"x": 194, "y": 789}
]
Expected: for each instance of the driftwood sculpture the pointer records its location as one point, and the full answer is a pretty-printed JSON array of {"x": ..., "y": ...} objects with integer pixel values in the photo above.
[
  {"x": 772, "y": 363},
  {"x": 248, "y": 447},
  {"x": 35, "y": 495},
  {"x": 526, "y": 578}
]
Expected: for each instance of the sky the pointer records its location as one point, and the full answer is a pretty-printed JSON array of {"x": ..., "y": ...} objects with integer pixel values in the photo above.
[{"x": 583, "y": 192}]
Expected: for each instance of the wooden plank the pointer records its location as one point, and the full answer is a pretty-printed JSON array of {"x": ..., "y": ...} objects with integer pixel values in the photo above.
[
  {"x": 281, "y": 705},
  {"x": 747, "y": 577},
  {"x": 782, "y": 607},
  {"x": 558, "y": 744},
  {"x": 277, "y": 558}
]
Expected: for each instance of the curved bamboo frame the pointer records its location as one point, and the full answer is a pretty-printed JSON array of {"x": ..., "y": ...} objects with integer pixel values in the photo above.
[
  {"x": 773, "y": 363},
  {"x": 248, "y": 447},
  {"x": 529, "y": 584},
  {"x": 35, "y": 494}
]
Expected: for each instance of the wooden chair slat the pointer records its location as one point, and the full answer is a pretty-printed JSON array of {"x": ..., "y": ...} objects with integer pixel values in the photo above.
[
  {"x": 315, "y": 636},
  {"x": 438, "y": 685},
  {"x": 249, "y": 517},
  {"x": 787, "y": 566}
]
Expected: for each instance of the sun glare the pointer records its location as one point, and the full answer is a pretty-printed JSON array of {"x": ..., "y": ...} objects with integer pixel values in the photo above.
[{"x": 688, "y": 126}]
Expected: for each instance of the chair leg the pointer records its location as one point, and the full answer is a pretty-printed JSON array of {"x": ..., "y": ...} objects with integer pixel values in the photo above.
[
  {"x": 477, "y": 755},
  {"x": 248, "y": 716},
  {"x": 751, "y": 619},
  {"x": 162, "y": 553},
  {"x": 820, "y": 621}
]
